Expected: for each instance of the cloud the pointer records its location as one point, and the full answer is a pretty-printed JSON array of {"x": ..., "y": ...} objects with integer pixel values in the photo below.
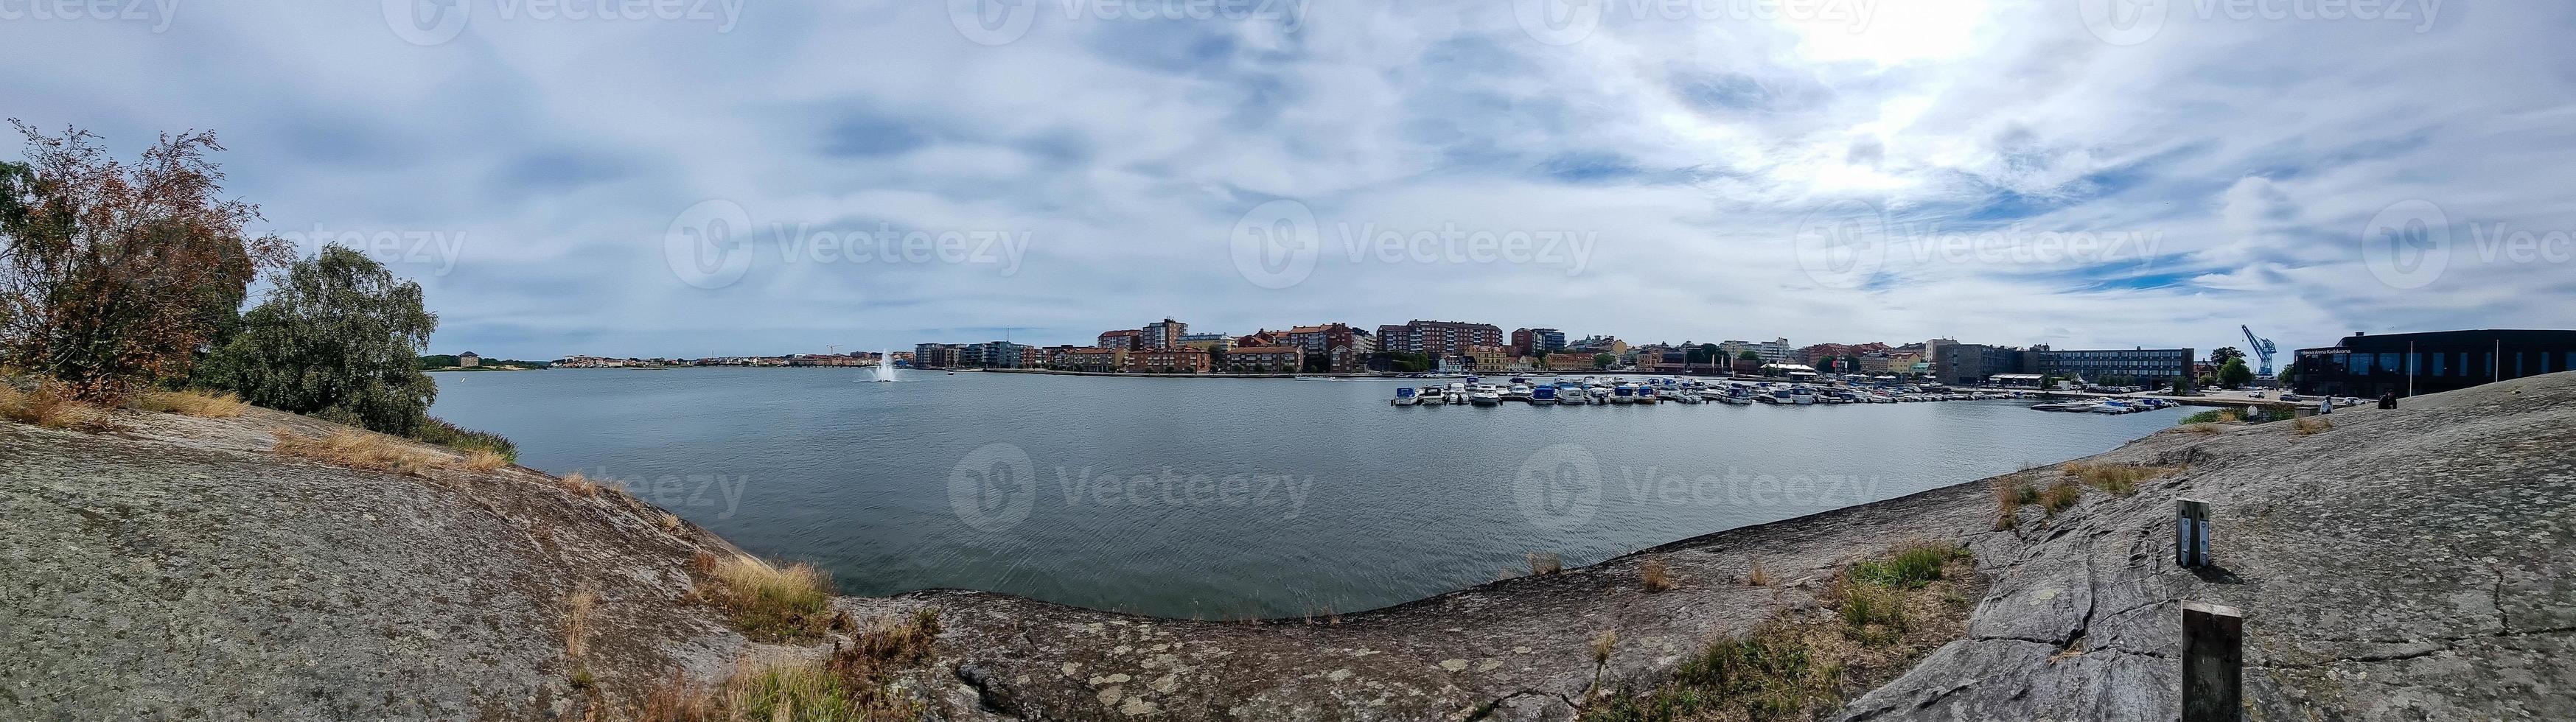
[{"x": 1696, "y": 144}]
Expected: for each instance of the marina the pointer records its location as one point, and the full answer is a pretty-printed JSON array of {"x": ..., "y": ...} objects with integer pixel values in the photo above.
[{"x": 1654, "y": 391}]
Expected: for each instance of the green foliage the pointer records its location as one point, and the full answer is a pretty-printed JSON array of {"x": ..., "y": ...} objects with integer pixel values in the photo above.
[
  {"x": 338, "y": 338},
  {"x": 1912, "y": 565},
  {"x": 2234, "y": 373},
  {"x": 437, "y": 431},
  {"x": 1748, "y": 356},
  {"x": 114, "y": 276},
  {"x": 1771, "y": 674},
  {"x": 2223, "y": 354},
  {"x": 1603, "y": 361}
]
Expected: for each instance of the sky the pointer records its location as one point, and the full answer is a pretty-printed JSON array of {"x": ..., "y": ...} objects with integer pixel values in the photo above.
[{"x": 691, "y": 178}]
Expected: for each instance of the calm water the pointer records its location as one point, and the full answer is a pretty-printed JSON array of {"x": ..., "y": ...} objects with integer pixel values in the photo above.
[{"x": 1219, "y": 498}]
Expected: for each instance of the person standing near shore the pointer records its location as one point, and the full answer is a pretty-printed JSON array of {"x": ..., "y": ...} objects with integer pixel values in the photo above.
[{"x": 2326, "y": 405}]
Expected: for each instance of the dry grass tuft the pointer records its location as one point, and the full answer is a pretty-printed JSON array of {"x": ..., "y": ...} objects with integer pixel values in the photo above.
[
  {"x": 668, "y": 521},
  {"x": 578, "y": 485},
  {"x": 1602, "y": 645},
  {"x": 203, "y": 404},
  {"x": 1757, "y": 576},
  {"x": 2060, "y": 496},
  {"x": 484, "y": 462},
  {"x": 2310, "y": 426},
  {"x": 771, "y": 603},
  {"x": 1655, "y": 576},
  {"x": 1544, "y": 563},
  {"x": 2121, "y": 479},
  {"x": 2205, "y": 429},
  {"x": 359, "y": 450},
  {"x": 857, "y": 684},
  {"x": 2010, "y": 495},
  {"x": 53, "y": 407},
  {"x": 577, "y": 609}
]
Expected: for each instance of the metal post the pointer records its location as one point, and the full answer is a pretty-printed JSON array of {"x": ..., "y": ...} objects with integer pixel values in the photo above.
[
  {"x": 2213, "y": 662},
  {"x": 2191, "y": 533}
]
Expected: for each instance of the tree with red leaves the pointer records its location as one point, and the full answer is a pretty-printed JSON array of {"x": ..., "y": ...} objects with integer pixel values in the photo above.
[{"x": 114, "y": 276}]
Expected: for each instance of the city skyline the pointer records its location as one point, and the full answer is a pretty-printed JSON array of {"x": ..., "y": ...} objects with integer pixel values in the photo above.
[{"x": 2016, "y": 172}]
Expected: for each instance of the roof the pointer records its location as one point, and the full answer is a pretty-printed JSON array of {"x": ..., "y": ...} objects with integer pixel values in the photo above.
[{"x": 2016, "y": 377}]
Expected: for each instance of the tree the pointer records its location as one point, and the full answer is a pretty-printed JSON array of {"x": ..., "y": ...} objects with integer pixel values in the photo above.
[
  {"x": 2234, "y": 373},
  {"x": 2288, "y": 373},
  {"x": 2223, "y": 354},
  {"x": 338, "y": 338},
  {"x": 1748, "y": 356},
  {"x": 115, "y": 276},
  {"x": 1603, "y": 361}
]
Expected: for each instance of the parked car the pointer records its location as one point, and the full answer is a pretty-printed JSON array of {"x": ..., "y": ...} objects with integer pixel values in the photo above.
[
  {"x": 2293, "y": 397},
  {"x": 2255, "y": 395}
]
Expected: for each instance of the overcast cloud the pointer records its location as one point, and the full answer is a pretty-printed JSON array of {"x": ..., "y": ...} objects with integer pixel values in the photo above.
[{"x": 721, "y": 177}]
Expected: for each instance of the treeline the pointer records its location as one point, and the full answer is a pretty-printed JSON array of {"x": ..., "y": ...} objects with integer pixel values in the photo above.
[{"x": 120, "y": 278}]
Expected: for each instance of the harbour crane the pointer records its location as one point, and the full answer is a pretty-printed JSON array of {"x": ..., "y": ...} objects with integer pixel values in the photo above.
[{"x": 2262, "y": 348}]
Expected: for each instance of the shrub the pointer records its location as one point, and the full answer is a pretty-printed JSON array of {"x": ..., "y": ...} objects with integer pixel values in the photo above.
[
  {"x": 114, "y": 274},
  {"x": 205, "y": 404},
  {"x": 770, "y": 603},
  {"x": 1756, "y": 575},
  {"x": 1865, "y": 604},
  {"x": 1771, "y": 673},
  {"x": 1909, "y": 565},
  {"x": 2310, "y": 426},
  {"x": 52, "y": 406},
  {"x": 1655, "y": 576},
  {"x": 1602, "y": 645},
  {"x": 337, "y": 338},
  {"x": 435, "y": 430},
  {"x": 2214, "y": 416}
]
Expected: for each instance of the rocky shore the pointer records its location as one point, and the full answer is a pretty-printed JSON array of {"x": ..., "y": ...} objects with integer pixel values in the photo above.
[{"x": 2410, "y": 564}]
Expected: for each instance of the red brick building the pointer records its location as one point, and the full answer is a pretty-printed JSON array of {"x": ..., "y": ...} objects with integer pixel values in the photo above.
[{"x": 1181, "y": 360}]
